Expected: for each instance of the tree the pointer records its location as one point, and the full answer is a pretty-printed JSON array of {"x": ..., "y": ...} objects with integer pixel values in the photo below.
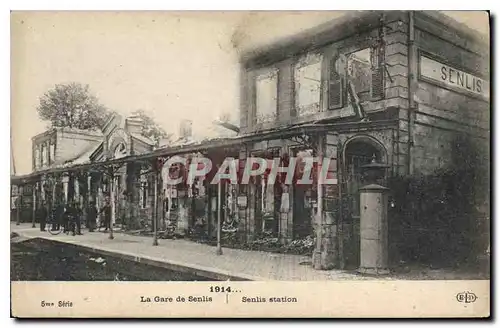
[
  {"x": 72, "y": 105},
  {"x": 151, "y": 129}
]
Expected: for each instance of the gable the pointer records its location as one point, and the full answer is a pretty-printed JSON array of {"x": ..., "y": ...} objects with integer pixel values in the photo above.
[
  {"x": 115, "y": 121},
  {"x": 119, "y": 139}
]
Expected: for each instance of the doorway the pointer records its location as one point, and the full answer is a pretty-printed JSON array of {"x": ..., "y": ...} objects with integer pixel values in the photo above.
[
  {"x": 266, "y": 198},
  {"x": 304, "y": 198},
  {"x": 358, "y": 152}
]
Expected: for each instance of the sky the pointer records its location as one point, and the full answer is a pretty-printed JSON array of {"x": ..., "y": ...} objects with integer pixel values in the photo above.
[{"x": 175, "y": 65}]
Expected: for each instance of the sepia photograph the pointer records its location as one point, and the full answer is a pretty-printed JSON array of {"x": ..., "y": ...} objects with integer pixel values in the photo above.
[{"x": 234, "y": 158}]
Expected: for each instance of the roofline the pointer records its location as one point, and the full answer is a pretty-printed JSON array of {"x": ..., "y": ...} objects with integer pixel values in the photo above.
[
  {"x": 94, "y": 153},
  {"x": 343, "y": 27},
  {"x": 465, "y": 31},
  {"x": 110, "y": 118},
  {"x": 89, "y": 133},
  {"x": 44, "y": 133},
  {"x": 321, "y": 35},
  {"x": 136, "y": 137}
]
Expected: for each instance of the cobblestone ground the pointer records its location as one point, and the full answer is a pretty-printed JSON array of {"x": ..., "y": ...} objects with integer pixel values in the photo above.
[{"x": 251, "y": 265}]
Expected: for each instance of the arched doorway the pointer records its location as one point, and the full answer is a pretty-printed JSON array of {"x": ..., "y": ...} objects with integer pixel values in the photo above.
[{"x": 357, "y": 152}]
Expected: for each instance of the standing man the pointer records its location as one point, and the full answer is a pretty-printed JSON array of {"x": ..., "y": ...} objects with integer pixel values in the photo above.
[
  {"x": 58, "y": 216},
  {"x": 67, "y": 218},
  {"x": 106, "y": 209},
  {"x": 91, "y": 216},
  {"x": 77, "y": 216},
  {"x": 41, "y": 215}
]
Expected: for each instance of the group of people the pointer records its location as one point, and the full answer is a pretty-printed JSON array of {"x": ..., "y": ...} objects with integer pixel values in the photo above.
[{"x": 69, "y": 216}]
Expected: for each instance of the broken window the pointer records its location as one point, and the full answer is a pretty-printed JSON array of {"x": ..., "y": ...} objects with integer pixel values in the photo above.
[
  {"x": 307, "y": 78},
  {"x": 359, "y": 71},
  {"x": 266, "y": 94}
]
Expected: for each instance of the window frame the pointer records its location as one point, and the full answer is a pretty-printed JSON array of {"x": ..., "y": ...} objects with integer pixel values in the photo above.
[
  {"x": 304, "y": 60},
  {"x": 348, "y": 56},
  {"x": 263, "y": 74}
]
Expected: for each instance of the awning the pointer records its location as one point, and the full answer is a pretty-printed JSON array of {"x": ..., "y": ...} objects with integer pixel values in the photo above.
[{"x": 285, "y": 132}]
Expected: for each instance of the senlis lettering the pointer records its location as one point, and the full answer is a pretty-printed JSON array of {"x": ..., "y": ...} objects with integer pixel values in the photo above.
[{"x": 461, "y": 79}]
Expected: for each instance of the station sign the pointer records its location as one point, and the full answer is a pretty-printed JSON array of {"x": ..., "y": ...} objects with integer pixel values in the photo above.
[{"x": 452, "y": 78}]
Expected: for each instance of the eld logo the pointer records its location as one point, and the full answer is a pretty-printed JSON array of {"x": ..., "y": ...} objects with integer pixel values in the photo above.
[{"x": 466, "y": 297}]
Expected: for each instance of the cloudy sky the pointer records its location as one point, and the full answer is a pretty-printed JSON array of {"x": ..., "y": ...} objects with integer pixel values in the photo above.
[{"x": 174, "y": 65}]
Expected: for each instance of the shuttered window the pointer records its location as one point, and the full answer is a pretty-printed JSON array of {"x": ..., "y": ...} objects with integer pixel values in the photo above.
[
  {"x": 336, "y": 83},
  {"x": 377, "y": 76}
]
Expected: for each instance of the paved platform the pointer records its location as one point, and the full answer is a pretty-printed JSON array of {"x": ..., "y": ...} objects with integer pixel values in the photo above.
[{"x": 188, "y": 256}]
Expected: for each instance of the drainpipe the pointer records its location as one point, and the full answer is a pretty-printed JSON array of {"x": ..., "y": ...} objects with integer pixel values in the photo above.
[{"x": 411, "y": 88}]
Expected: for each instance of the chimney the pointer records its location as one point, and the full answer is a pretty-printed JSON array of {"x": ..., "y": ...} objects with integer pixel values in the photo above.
[
  {"x": 186, "y": 129},
  {"x": 133, "y": 124}
]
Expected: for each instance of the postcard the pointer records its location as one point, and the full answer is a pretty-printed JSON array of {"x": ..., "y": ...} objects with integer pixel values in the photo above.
[{"x": 250, "y": 164}]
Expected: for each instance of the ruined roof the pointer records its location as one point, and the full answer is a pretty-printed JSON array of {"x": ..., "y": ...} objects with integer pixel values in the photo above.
[
  {"x": 142, "y": 138},
  {"x": 83, "y": 157},
  {"x": 354, "y": 23}
]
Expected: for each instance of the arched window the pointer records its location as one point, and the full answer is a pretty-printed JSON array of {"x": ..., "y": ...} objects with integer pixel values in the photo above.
[{"x": 120, "y": 151}]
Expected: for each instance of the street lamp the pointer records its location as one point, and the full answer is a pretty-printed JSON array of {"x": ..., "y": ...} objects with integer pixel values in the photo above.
[{"x": 374, "y": 171}]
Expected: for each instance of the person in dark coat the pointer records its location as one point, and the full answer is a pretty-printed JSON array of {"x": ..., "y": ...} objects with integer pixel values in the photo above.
[
  {"x": 72, "y": 221},
  {"x": 77, "y": 217},
  {"x": 106, "y": 209},
  {"x": 66, "y": 218},
  {"x": 42, "y": 215},
  {"x": 58, "y": 217},
  {"x": 91, "y": 216}
]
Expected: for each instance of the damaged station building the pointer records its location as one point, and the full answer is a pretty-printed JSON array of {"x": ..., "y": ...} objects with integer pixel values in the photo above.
[{"x": 396, "y": 99}]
